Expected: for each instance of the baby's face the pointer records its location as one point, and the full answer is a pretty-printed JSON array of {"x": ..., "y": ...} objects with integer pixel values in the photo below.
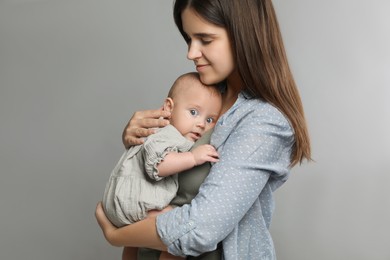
[{"x": 196, "y": 110}]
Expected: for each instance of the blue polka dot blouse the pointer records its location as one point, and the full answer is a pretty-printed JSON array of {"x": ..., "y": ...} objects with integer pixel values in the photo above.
[{"x": 235, "y": 203}]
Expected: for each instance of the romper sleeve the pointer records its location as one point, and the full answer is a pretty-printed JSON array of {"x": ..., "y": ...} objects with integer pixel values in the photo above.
[
  {"x": 256, "y": 149},
  {"x": 158, "y": 145}
]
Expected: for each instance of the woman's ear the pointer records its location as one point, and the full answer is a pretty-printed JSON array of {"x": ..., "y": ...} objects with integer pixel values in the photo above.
[{"x": 168, "y": 104}]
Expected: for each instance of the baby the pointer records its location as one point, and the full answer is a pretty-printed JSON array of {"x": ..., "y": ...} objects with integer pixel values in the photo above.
[{"x": 145, "y": 178}]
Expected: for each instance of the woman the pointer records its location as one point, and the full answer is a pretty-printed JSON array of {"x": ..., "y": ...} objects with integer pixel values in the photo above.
[{"x": 260, "y": 136}]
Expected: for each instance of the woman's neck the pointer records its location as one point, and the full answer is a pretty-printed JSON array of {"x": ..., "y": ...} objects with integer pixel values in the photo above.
[{"x": 229, "y": 97}]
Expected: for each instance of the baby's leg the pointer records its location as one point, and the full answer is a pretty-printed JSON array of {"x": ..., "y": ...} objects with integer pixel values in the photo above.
[
  {"x": 129, "y": 253},
  {"x": 168, "y": 256}
]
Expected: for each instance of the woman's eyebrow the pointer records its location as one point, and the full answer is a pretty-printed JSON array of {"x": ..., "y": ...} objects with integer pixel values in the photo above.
[{"x": 200, "y": 35}]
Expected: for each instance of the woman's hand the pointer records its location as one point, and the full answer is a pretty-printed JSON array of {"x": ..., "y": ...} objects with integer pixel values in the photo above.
[
  {"x": 141, "y": 125},
  {"x": 107, "y": 227},
  {"x": 140, "y": 234}
]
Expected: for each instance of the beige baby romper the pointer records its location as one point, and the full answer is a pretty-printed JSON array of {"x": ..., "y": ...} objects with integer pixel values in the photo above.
[{"x": 134, "y": 186}]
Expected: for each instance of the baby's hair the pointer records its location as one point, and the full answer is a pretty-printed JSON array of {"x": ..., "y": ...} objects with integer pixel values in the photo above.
[{"x": 189, "y": 80}]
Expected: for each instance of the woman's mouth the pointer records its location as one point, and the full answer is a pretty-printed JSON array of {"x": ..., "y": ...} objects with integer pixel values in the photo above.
[{"x": 201, "y": 67}]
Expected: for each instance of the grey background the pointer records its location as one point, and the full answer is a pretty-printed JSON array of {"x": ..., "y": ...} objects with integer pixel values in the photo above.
[{"x": 73, "y": 72}]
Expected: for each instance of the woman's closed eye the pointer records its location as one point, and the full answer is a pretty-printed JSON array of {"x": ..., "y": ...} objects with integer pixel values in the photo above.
[
  {"x": 203, "y": 38},
  {"x": 206, "y": 41}
]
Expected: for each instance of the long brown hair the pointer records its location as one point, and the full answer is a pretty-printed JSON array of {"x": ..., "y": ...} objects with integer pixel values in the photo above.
[{"x": 260, "y": 57}]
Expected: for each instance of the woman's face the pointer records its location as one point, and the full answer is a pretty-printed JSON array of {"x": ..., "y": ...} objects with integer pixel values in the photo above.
[{"x": 209, "y": 47}]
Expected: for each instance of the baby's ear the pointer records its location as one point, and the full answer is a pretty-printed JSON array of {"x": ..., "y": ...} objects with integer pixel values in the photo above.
[{"x": 168, "y": 104}]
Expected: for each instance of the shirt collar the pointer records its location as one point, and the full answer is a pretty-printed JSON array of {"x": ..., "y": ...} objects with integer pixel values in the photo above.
[{"x": 243, "y": 93}]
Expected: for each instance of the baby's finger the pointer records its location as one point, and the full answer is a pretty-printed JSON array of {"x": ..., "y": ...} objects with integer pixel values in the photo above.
[{"x": 213, "y": 159}]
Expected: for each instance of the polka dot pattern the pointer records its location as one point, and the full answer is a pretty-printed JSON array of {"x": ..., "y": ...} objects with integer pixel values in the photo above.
[{"x": 235, "y": 203}]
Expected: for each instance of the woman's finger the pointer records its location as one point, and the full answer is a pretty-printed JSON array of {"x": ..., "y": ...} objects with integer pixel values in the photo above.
[
  {"x": 141, "y": 125},
  {"x": 151, "y": 114},
  {"x": 152, "y": 123}
]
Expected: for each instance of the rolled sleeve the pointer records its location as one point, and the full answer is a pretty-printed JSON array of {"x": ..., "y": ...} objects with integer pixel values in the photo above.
[{"x": 172, "y": 227}]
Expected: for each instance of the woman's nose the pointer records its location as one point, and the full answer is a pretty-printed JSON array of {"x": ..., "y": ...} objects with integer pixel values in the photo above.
[{"x": 193, "y": 52}]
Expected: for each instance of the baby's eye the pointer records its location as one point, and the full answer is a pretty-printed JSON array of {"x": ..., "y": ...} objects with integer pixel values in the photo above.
[
  {"x": 209, "y": 120},
  {"x": 194, "y": 112}
]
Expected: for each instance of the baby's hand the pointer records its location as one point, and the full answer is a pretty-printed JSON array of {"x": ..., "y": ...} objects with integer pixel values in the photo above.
[{"x": 205, "y": 153}]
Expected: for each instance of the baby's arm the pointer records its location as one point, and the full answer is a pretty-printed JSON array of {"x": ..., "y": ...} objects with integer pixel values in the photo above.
[{"x": 177, "y": 162}]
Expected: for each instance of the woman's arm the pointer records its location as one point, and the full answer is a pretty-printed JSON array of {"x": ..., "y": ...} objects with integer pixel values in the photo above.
[
  {"x": 139, "y": 234},
  {"x": 141, "y": 125},
  {"x": 255, "y": 153},
  {"x": 255, "y": 149}
]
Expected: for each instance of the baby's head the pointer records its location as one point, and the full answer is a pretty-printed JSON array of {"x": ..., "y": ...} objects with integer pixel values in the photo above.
[{"x": 194, "y": 107}]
